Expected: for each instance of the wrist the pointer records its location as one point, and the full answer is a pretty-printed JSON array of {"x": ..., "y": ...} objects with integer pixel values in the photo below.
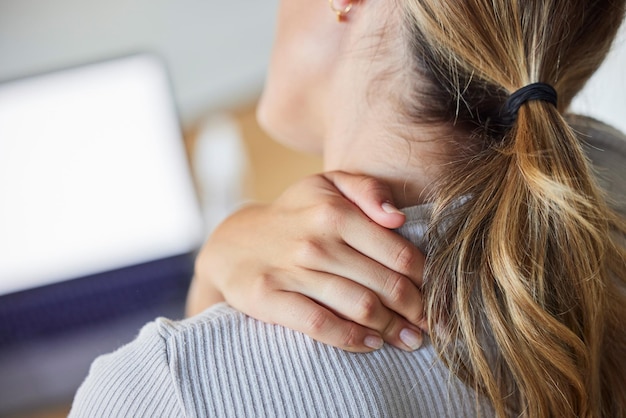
[{"x": 202, "y": 295}]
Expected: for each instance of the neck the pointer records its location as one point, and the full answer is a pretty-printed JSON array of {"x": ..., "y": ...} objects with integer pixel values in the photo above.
[
  {"x": 365, "y": 130},
  {"x": 407, "y": 157}
]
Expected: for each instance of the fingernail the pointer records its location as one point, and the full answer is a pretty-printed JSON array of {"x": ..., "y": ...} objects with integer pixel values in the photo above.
[
  {"x": 412, "y": 339},
  {"x": 389, "y": 208},
  {"x": 374, "y": 342}
]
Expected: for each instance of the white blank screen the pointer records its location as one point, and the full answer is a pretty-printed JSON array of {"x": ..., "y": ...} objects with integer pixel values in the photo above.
[{"x": 93, "y": 174}]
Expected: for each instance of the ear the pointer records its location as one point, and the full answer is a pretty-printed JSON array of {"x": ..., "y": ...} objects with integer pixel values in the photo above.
[
  {"x": 341, "y": 8},
  {"x": 341, "y": 4}
]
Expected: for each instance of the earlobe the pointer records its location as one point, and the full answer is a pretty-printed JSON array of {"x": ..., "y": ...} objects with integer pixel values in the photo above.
[{"x": 341, "y": 8}]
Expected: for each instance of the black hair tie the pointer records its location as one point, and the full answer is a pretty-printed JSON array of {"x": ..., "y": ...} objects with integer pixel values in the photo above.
[{"x": 534, "y": 91}]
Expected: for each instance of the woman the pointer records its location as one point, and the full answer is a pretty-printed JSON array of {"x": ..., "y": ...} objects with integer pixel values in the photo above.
[{"x": 523, "y": 287}]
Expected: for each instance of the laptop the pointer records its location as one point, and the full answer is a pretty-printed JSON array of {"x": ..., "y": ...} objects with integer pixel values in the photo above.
[{"x": 99, "y": 218}]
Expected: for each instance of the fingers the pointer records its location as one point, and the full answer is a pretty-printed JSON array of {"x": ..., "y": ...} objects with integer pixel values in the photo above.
[
  {"x": 382, "y": 245},
  {"x": 385, "y": 247},
  {"x": 357, "y": 303},
  {"x": 300, "y": 313},
  {"x": 396, "y": 291},
  {"x": 343, "y": 223},
  {"x": 394, "y": 271},
  {"x": 372, "y": 196}
]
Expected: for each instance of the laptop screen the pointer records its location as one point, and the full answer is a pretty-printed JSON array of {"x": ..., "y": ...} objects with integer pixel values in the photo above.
[{"x": 93, "y": 174}]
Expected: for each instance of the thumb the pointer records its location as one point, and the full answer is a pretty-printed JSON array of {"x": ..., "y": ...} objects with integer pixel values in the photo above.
[{"x": 372, "y": 196}]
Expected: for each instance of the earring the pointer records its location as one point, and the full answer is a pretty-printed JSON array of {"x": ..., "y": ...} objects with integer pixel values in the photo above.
[{"x": 340, "y": 13}]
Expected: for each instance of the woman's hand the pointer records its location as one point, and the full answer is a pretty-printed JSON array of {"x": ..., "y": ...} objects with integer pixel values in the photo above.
[{"x": 320, "y": 260}]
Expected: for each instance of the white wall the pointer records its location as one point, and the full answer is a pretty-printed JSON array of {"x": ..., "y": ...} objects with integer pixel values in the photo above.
[
  {"x": 217, "y": 50},
  {"x": 604, "y": 97}
]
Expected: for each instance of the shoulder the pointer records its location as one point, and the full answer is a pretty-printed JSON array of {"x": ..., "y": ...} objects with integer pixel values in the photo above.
[
  {"x": 223, "y": 363},
  {"x": 133, "y": 381},
  {"x": 598, "y": 134},
  {"x": 230, "y": 365},
  {"x": 137, "y": 380},
  {"x": 606, "y": 148}
]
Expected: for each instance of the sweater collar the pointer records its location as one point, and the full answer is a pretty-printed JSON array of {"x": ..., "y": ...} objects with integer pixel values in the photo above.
[{"x": 415, "y": 226}]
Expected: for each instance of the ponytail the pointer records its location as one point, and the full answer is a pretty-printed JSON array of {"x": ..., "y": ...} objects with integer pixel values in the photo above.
[
  {"x": 524, "y": 286},
  {"x": 527, "y": 310}
]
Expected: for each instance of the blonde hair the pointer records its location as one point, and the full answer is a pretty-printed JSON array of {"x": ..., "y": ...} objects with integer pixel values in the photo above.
[{"x": 525, "y": 285}]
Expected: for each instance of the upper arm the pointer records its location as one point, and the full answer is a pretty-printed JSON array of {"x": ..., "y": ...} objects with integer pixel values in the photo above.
[{"x": 134, "y": 381}]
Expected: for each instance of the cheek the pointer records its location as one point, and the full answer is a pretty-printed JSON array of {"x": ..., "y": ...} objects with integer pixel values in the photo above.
[{"x": 288, "y": 112}]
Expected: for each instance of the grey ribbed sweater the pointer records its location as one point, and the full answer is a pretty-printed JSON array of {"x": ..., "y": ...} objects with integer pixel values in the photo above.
[{"x": 222, "y": 363}]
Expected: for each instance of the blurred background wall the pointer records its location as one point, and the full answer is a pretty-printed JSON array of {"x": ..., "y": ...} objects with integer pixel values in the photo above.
[{"x": 216, "y": 51}]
